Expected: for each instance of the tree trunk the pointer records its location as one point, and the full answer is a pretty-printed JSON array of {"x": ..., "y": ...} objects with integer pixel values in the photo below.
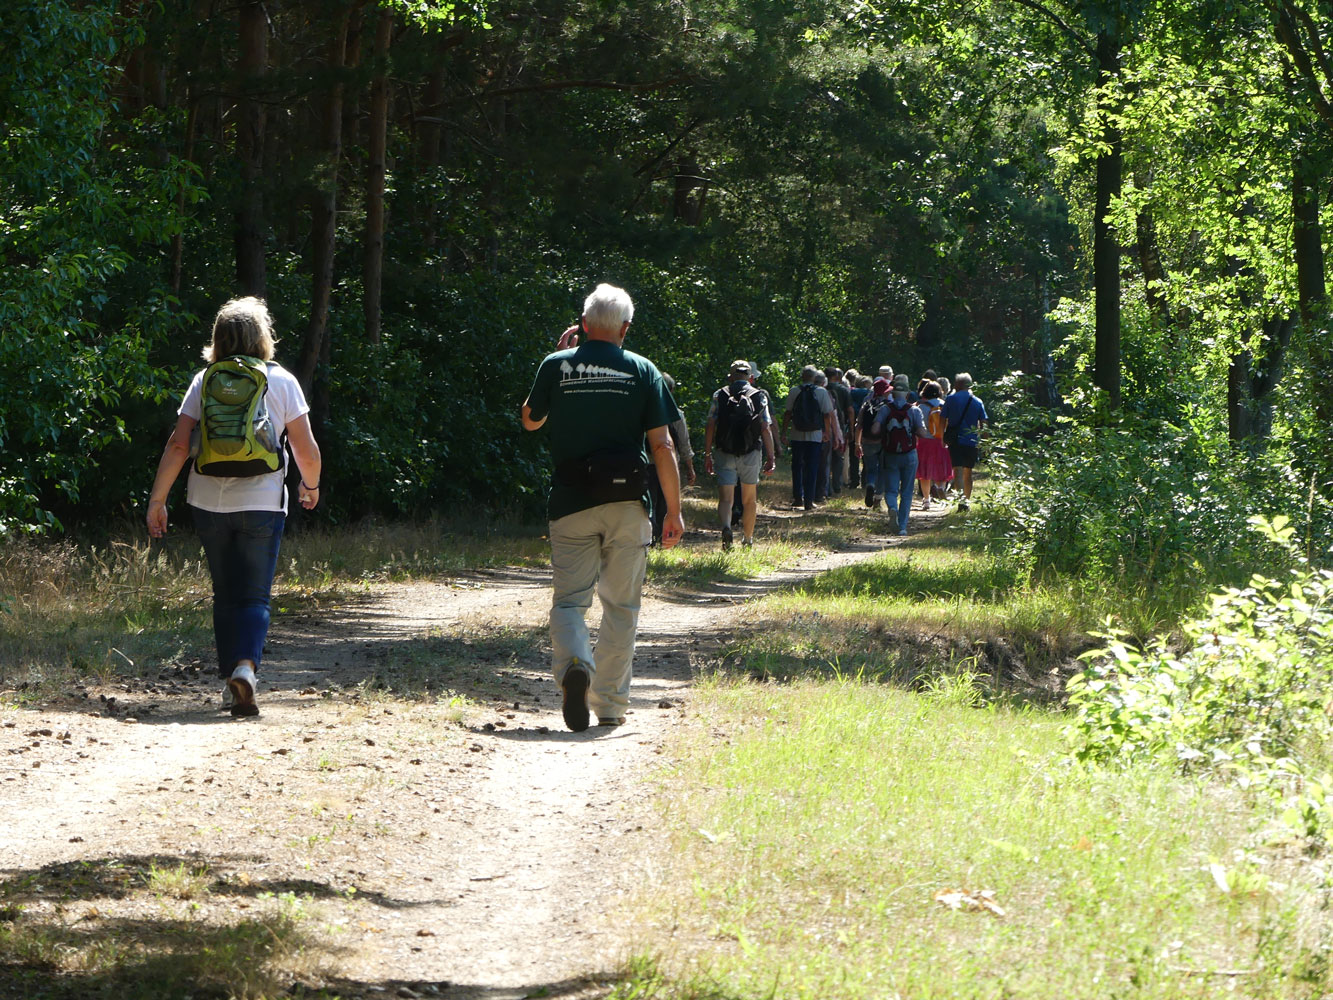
[
  {"x": 687, "y": 207},
  {"x": 1154, "y": 275},
  {"x": 253, "y": 64},
  {"x": 1239, "y": 423},
  {"x": 1307, "y": 238},
  {"x": 379, "y": 125},
  {"x": 1105, "y": 247},
  {"x": 429, "y": 156},
  {"x": 178, "y": 240},
  {"x": 323, "y": 222}
]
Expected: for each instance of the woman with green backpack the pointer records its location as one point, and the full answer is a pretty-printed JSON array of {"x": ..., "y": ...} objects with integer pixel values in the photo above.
[{"x": 239, "y": 416}]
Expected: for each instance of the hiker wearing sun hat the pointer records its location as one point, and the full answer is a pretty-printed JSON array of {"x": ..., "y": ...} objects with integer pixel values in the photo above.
[
  {"x": 868, "y": 436},
  {"x": 903, "y": 425}
]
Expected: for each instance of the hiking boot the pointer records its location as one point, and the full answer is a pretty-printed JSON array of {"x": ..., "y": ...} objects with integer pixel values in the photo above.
[
  {"x": 962, "y": 504},
  {"x": 809, "y": 506},
  {"x": 726, "y": 538},
  {"x": 241, "y": 687},
  {"x": 574, "y": 705},
  {"x": 870, "y": 496},
  {"x": 616, "y": 721},
  {"x": 747, "y": 543}
]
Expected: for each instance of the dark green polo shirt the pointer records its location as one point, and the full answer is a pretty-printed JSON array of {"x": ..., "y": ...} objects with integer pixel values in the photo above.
[{"x": 596, "y": 396}]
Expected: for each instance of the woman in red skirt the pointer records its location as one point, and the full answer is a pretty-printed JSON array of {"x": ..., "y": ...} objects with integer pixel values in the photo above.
[{"x": 933, "y": 465}]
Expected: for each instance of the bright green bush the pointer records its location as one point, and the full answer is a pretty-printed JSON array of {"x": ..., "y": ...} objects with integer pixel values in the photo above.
[
  {"x": 1247, "y": 693},
  {"x": 1132, "y": 497}
]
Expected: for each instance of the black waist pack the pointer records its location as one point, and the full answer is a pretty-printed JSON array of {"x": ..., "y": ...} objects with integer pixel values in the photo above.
[{"x": 610, "y": 475}]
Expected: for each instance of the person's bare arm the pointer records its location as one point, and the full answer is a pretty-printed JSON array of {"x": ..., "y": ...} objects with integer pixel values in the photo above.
[
  {"x": 710, "y": 429},
  {"x": 770, "y": 458},
  {"x": 308, "y": 460},
  {"x": 174, "y": 456},
  {"x": 668, "y": 478},
  {"x": 528, "y": 423}
]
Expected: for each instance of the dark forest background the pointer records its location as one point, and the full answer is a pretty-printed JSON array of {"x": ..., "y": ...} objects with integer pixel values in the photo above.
[{"x": 1110, "y": 213}]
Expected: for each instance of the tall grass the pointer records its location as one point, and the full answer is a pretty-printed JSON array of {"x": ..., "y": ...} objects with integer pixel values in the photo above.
[
  {"x": 130, "y": 605},
  {"x": 810, "y": 844}
]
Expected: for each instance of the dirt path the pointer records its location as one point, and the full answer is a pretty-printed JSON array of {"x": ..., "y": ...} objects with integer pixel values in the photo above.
[{"x": 471, "y": 850}]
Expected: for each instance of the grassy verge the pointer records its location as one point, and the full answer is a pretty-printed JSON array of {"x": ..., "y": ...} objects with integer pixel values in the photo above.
[
  {"x": 70, "y": 611},
  {"x": 940, "y": 600},
  {"x": 811, "y": 843},
  {"x": 128, "y": 607},
  {"x": 152, "y": 928}
]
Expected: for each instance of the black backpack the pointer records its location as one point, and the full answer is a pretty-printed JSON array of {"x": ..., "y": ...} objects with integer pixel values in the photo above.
[
  {"x": 740, "y": 424},
  {"x": 872, "y": 429},
  {"x": 805, "y": 412}
]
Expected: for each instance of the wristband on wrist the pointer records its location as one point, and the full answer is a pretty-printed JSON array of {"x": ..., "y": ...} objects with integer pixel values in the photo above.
[{"x": 312, "y": 489}]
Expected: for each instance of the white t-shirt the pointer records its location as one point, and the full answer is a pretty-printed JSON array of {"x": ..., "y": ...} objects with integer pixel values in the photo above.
[{"x": 225, "y": 494}]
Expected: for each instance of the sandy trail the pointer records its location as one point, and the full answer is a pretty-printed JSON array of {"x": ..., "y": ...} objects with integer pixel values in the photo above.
[{"x": 475, "y": 857}]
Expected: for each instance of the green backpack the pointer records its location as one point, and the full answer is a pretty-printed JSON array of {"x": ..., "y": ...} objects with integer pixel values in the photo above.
[{"x": 235, "y": 434}]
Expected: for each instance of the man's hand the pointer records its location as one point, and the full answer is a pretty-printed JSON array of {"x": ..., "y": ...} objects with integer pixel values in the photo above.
[
  {"x": 770, "y": 466},
  {"x": 690, "y": 477},
  {"x": 673, "y": 529},
  {"x": 568, "y": 339},
  {"x": 708, "y": 466}
]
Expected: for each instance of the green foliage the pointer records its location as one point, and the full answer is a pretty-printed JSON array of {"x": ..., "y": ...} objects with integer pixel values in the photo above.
[
  {"x": 74, "y": 210},
  {"x": 1244, "y": 692},
  {"x": 1134, "y": 496}
]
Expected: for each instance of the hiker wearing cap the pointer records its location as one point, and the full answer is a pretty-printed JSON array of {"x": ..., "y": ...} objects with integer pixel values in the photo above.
[
  {"x": 868, "y": 431},
  {"x": 599, "y": 402},
  {"x": 903, "y": 426},
  {"x": 740, "y": 427},
  {"x": 965, "y": 415},
  {"x": 860, "y": 392},
  {"x": 807, "y": 420},
  {"x": 737, "y": 508},
  {"x": 836, "y": 466}
]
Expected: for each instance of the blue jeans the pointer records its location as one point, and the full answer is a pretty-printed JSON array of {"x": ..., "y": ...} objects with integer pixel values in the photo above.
[
  {"x": 898, "y": 477},
  {"x": 804, "y": 470},
  {"x": 871, "y": 475},
  {"x": 242, "y": 551}
]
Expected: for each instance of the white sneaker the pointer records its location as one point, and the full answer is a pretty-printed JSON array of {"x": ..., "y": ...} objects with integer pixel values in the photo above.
[{"x": 241, "y": 686}]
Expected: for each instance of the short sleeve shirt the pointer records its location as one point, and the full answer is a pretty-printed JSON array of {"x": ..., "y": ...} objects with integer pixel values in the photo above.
[
  {"x": 227, "y": 494},
  {"x": 842, "y": 397},
  {"x": 825, "y": 406},
  {"x": 596, "y": 396},
  {"x": 962, "y": 409},
  {"x": 761, "y": 401}
]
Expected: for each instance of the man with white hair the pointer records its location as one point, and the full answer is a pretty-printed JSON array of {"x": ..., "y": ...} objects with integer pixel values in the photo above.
[
  {"x": 599, "y": 401},
  {"x": 965, "y": 415}
]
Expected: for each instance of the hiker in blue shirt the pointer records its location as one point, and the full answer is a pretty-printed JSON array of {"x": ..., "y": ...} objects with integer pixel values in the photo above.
[{"x": 965, "y": 414}]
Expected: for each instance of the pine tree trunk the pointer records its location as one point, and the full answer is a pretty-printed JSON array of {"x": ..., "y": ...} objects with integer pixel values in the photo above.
[
  {"x": 324, "y": 222},
  {"x": 1105, "y": 247},
  {"x": 253, "y": 64},
  {"x": 375, "y": 172}
]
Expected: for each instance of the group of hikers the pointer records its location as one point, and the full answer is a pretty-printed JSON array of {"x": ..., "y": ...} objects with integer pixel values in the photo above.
[
  {"x": 616, "y": 439},
  {"x": 843, "y": 429}
]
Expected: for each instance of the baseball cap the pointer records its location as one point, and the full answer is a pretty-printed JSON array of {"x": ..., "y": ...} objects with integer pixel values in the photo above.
[
  {"x": 880, "y": 386},
  {"x": 740, "y": 368}
]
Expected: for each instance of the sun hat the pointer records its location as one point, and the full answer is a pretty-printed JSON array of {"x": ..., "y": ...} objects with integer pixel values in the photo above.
[{"x": 880, "y": 386}]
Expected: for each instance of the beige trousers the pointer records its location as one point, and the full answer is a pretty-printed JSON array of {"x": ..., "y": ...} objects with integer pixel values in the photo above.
[{"x": 604, "y": 547}]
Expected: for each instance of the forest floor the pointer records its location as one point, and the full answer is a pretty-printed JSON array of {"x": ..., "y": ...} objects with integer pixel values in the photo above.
[{"x": 407, "y": 817}]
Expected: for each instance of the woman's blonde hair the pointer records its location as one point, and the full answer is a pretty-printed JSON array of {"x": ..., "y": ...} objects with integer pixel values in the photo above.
[{"x": 243, "y": 326}]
